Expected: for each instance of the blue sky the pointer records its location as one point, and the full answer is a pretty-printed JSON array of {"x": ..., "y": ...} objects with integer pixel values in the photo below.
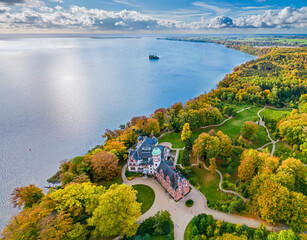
[
  {"x": 185, "y": 9},
  {"x": 152, "y": 15}
]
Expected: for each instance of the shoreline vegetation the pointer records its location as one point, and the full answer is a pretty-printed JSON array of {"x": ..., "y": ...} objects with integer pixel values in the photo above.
[{"x": 89, "y": 183}]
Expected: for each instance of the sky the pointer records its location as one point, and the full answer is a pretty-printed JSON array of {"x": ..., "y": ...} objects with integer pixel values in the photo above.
[{"x": 196, "y": 16}]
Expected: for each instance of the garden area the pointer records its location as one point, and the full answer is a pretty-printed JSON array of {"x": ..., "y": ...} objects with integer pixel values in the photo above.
[{"x": 145, "y": 195}]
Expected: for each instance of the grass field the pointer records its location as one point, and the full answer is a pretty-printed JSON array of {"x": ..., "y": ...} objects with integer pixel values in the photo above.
[
  {"x": 208, "y": 184},
  {"x": 232, "y": 128},
  {"x": 274, "y": 114},
  {"x": 174, "y": 139},
  {"x": 145, "y": 195},
  {"x": 179, "y": 161},
  {"x": 284, "y": 151}
]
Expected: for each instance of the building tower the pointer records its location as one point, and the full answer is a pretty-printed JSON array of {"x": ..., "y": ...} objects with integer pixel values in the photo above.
[{"x": 156, "y": 157}]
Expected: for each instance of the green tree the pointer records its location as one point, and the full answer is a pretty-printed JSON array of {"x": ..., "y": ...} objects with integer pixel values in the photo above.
[{"x": 248, "y": 129}]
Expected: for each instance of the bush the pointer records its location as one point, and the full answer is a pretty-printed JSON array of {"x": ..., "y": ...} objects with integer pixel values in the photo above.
[{"x": 189, "y": 203}]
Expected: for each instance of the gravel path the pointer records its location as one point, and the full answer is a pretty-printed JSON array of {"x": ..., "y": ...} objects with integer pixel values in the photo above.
[{"x": 262, "y": 123}]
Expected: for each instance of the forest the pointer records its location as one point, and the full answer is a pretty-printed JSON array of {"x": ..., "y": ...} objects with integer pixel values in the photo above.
[{"x": 88, "y": 201}]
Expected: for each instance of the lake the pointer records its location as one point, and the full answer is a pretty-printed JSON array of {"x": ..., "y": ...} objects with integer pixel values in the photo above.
[{"x": 58, "y": 95}]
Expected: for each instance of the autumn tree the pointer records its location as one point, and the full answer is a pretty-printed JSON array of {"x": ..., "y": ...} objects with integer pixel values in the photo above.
[
  {"x": 76, "y": 199},
  {"x": 246, "y": 168},
  {"x": 186, "y": 133},
  {"x": 293, "y": 130},
  {"x": 25, "y": 225},
  {"x": 117, "y": 148},
  {"x": 112, "y": 135},
  {"x": 117, "y": 213},
  {"x": 152, "y": 126},
  {"x": 26, "y": 196},
  {"x": 104, "y": 166},
  {"x": 292, "y": 174},
  {"x": 203, "y": 143},
  {"x": 248, "y": 129},
  {"x": 212, "y": 166},
  {"x": 231, "y": 236},
  {"x": 251, "y": 162},
  {"x": 128, "y": 137},
  {"x": 55, "y": 226},
  {"x": 159, "y": 116},
  {"x": 226, "y": 148}
]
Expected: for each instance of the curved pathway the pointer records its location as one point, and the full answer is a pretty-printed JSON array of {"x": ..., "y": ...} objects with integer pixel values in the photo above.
[
  {"x": 262, "y": 123},
  {"x": 221, "y": 181},
  {"x": 182, "y": 215}
]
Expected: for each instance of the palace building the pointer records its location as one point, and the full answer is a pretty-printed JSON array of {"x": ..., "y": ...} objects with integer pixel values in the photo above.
[{"x": 150, "y": 158}]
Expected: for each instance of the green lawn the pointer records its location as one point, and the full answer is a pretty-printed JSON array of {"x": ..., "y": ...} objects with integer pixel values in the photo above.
[
  {"x": 232, "y": 128},
  {"x": 208, "y": 184},
  {"x": 274, "y": 114},
  {"x": 179, "y": 161},
  {"x": 145, "y": 195},
  {"x": 174, "y": 139},
  {"x": 284, "y": 151}
]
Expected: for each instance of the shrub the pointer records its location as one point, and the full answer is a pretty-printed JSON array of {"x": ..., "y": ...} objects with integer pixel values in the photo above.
[{"x": 189, "y": 203}]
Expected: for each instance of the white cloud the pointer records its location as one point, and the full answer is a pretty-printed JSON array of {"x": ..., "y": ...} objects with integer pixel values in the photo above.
[
  {"x": 57, "y": 7},
  {"x": 96, "y": 19},
  {"x": 57, "y": 1},
  {"x": 28, "y": 3},
  {"x": 287, "y": 17},
  {"x": 216, "y": 9}
]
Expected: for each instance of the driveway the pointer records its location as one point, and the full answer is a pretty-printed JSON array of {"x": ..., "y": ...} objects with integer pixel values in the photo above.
[{"x": 182, "y": 215}]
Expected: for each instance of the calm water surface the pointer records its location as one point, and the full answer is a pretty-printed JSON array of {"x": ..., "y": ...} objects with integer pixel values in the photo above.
[{"x": 58, "y": 95}]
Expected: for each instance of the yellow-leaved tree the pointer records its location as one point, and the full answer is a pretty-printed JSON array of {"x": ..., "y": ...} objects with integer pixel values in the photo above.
[
  {"x": 186, "y": 132},
  {"x": 117, "y": 213},
  {"x": 212, "y": 166}
]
